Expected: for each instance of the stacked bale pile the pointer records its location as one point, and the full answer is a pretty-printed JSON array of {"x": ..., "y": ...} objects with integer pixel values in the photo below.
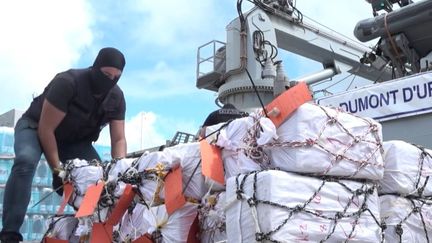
[{"x": 317, "y": 177}]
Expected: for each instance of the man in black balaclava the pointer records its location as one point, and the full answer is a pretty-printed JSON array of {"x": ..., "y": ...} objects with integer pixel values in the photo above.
[{"x": 62, "y": 123}]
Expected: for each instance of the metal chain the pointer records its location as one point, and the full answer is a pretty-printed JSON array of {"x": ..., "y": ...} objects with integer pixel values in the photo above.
[{"x": 252, "y": 150}]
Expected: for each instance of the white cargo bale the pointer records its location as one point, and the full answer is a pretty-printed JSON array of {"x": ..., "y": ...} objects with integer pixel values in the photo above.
[
  {"x": 286, "y": 207},
  {"x": 407, "y": 169},
  {"x": 133, "y": 224},
  {"x": 62, "y": 228},
  {"x": 187, "y": 156},
  {"x": 190, "y": 162},
  {"x": 240, "y": 141},
  {"x": 325, "y": 141},
  {"x": 170, "y": 228},
  {"x": 406, "y": 220},
  {"x": 155, "y": 165},
  {"x": 212, "y": 219},
  {"x": 82, "y": 174}
]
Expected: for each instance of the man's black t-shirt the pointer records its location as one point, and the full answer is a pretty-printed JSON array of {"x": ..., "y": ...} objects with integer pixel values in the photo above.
[{"x": 86, "y": 114}]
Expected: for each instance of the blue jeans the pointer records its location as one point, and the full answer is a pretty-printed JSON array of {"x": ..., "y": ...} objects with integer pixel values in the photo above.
[{"x": 28, "y": 152}]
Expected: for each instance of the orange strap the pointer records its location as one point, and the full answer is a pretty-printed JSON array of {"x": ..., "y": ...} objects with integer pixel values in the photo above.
[
  {"x": 52, "y": 240},
  {"x": 122, "y": 205},
  {"x": 211, "y": 162},
  {"x": 67, "y": 193},
  {"x": 193, "y": 236},
  {"x": 90, "y": 200},
  {"x": 174, "y": 198},
  {"x": 101, "y": 233},
  {"x": 287, "y": 102}
]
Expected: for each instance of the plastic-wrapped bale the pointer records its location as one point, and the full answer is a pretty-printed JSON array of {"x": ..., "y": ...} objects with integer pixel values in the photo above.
[
  {"x": 212, "y": 218},
  {"x": 407, "y": 169},
  {"x": 62, "y": 228},
  {"x": 132, "y": 225},
  {"x": 241, "y": 142},
  {"x": 170, "y": 228},
  {"x": 154, "y": 167},
  {"x": 190, "y": 161},
  {"x": 280, "y": 206},
  {"x": 82, "y": 174},
  {"x": 406, "y": 220},
  {"x": 325, "y": 141}
]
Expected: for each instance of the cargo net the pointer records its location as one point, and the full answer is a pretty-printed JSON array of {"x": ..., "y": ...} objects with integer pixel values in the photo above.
[
  {"x": 409, "y": 211},
  {"x": 252, "y": 150},
  {"x": 323, "y": 142},
  {"x": 156, "y": 175},
  {"x": 246, "y": 142},
  {"x": 112, "y": 190},
  {"x": 146, "y": 175},
  {"x": 63, "y": 227},
  {"x": 418, "y": 214},
  {"x": 75, "y": 171},
  {"x": 420, "y": 181},
  {"x": 361, "y": 195},
  {"x": 82, "y": 174},
  {"x": 147, "y": 178},
  {"x": 131, "y": 175}
]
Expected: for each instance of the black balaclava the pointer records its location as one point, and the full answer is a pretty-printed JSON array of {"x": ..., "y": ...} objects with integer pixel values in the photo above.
[{"x": 107, "y": 57}]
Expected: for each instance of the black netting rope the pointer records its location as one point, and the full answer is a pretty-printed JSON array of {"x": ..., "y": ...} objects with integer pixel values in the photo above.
[
  {"x": 415, "y": 209},
  {"x": 424, "y": 200},
  {"x": 107, "y": 167},
  {"x": 141, "y": 198},
  {"x": 424, "y": 154},
  {"x": 424, "y": 225},
  {"x": 68, "y": 167},
  {"x": 364, "y": 191},
  {"x": 131, "y": 175}
]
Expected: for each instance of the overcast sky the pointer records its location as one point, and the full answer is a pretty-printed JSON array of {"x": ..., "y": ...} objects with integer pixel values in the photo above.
[{"x": 160, "y": 41}]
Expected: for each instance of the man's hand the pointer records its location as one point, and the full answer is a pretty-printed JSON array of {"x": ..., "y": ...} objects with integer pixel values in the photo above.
[
  {"x": 59, "y": 176},
  {"x": 60, "y": 173}
]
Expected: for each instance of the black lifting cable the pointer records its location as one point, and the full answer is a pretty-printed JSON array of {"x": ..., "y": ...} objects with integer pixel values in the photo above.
[{"x": 256, "y": 92}]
